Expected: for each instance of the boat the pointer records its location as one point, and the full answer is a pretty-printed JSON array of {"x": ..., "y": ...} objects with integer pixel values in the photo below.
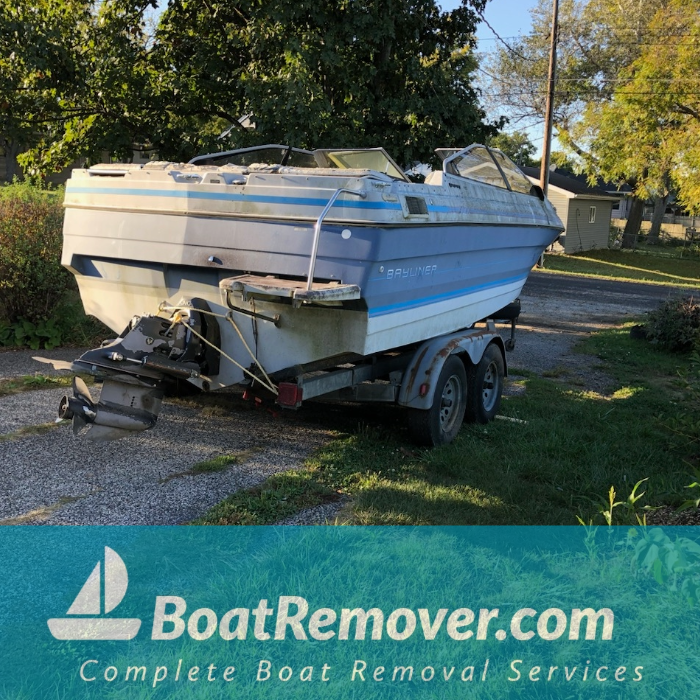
[{"x": 245, "y": 266}]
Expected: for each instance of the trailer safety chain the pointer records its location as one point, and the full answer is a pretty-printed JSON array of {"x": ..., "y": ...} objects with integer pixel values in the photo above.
[{"x": 178, "y": 317}]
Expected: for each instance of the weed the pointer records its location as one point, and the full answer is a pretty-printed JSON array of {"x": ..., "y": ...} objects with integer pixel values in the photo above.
[
  {"x": 27, "y": 430},
  {"x": 692, "y": 502},
  {"x": 210, "y": 466},
  {"x": 674, "y": 564},
  {"x": 31, "y": 382},
  {"x": 675, "y": 325},
  {"x": 629, "y": 506}
]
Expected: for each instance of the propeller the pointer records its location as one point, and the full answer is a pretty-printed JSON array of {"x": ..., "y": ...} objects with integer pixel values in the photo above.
[
  {"x": 74, "y": 407},
  {"x": 80, "y": 391}
]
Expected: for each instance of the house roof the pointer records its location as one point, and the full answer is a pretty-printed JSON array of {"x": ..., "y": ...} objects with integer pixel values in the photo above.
[{"x": 571, "y": 185}]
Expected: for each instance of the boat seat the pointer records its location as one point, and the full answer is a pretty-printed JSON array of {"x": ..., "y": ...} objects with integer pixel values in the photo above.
[{"x": 259, "y": 286}]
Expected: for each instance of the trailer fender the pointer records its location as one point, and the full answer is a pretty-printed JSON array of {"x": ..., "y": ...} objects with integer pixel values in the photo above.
[{"x": 418, "y": 383}]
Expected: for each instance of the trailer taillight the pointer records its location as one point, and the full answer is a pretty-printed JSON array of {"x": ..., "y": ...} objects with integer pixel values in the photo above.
[{"x": 290, "y": 394}]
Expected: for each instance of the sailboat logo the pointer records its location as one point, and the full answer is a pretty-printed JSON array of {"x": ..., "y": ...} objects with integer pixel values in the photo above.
[{"x": 88, "y": 605}]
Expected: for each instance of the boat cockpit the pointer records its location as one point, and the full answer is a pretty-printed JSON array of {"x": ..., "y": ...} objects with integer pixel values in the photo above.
[{"x": 376, "y": 159}]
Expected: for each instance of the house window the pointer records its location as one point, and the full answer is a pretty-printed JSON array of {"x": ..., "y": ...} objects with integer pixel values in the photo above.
[{"x": 591, "y": 215}]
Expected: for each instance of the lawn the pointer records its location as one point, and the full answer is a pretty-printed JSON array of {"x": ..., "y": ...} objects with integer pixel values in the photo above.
[
  {"x": 664, "y": 266},
  {"x": 552, "y": 466}
]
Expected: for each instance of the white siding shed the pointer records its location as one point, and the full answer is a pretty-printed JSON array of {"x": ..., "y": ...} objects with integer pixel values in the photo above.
[{"x": 584, "y": 211}]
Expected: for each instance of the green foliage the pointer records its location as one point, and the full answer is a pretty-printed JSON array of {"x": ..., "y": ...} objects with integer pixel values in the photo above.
[
  {"x": 31, "y": 382},
  {"x": 695, "y": 486},
  {"x": 675, "y": 325},
  {"x": 32, "y": 281},
  {"x": 517, "y": 146},
  {"x": 46, "y": 334},
  {"x": 75, "y": 78},
  {"x": 342, "y": 73},
  {"x": 674, "y": 564},
  {"x": 628, "y": 506},
  {"x": 326, "y": 73},
  {"x": 68, "y": 326},
  {"x": 38, "y": 304},
  {"x": 565, "y": 161}
]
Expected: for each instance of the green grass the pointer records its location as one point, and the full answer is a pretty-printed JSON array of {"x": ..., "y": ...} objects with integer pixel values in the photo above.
[
  {"x": 629, "y": 265},
  {"x": 279, "y": 496},
  {"x": 32, "y": 382},
  {"x": 28, "y": 430},
  {"x": 555, "y": 467},
  {"x": 211, "y": 466}
]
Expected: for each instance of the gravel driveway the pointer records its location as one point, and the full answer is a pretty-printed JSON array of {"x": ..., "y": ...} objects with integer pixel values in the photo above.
[{"x": 54, "y": 478}]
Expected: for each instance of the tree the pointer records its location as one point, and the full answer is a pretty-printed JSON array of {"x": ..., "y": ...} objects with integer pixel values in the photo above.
[
  {"x": 565, "y": 161},
  {"x": 598, "y": 41},
  {"x": 328, "y": 72},
  {"x": 517, "y": 146},
  {"x": 40, "y": 43},
  {"x": 100, "y": 104},
  {"x": 668, "y": 82},
  {"x": 648, "y": 133}
]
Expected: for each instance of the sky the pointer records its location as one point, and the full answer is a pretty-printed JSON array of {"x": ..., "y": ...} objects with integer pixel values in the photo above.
[{"x": 508, "y": 17}]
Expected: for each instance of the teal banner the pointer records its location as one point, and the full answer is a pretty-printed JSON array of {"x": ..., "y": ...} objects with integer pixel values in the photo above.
[{"x": 344, "y": 612}]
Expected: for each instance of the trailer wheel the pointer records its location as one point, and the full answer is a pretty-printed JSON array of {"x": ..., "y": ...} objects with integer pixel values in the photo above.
[
  {"x": 442, "y": 421},
  {"x": 485, "y": 386}
]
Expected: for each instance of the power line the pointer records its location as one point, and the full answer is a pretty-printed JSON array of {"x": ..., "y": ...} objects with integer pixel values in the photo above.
[
  {"x": 591, "y": 93},
  {"x": 617, "y": 40},
  {"x": 585, "y": 80},
  {"x": 498, "y": 38}
]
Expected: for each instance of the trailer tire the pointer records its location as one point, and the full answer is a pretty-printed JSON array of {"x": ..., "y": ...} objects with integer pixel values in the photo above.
[
  {"x": 485, "y": 386},
  {"x": 442, "y": 421}
]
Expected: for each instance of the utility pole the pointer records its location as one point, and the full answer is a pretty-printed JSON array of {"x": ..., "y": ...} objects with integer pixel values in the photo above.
[{"x": 549, "y": 108}]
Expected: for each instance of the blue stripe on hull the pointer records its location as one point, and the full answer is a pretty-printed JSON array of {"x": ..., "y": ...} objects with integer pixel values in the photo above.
[
  {"x": 230, "y": 197},
  {"x": 289, "y": 201},
  {"x": 463, "y": 292}
]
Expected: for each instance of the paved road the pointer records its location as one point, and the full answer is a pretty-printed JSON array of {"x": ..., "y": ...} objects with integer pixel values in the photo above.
[
  {"x": 580, "y": 303},
  {"x": 560, "y": 310},
  {"x": 549, "y": 284}
]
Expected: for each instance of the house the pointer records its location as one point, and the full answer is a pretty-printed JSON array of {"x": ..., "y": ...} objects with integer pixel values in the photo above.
[{"x": 585, "y": 211}]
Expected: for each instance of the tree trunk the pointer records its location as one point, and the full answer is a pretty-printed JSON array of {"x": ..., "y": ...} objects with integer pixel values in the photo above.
[
  {"x": 12, "y": 169},
  {"x": 657, "y": 218},
  {"x": 634, "y": 223}
]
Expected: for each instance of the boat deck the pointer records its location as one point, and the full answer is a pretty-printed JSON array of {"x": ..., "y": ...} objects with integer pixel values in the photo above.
[{"x": 269, "y": 286}]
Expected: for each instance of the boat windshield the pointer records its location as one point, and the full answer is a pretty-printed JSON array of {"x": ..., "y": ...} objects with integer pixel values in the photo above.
[
  {"x": 376, "y": 159},
  {"x": 489, "y": 166},
  {"x": 274, "y": 154}
]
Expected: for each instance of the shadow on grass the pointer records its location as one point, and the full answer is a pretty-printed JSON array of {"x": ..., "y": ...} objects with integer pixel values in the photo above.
[{"x": 557, "y": 465}]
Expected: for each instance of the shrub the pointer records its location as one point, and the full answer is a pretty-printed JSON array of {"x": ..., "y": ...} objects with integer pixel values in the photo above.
[
  {"x": 675, "y": 324},
  {"x": 32, "y": 281}
]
